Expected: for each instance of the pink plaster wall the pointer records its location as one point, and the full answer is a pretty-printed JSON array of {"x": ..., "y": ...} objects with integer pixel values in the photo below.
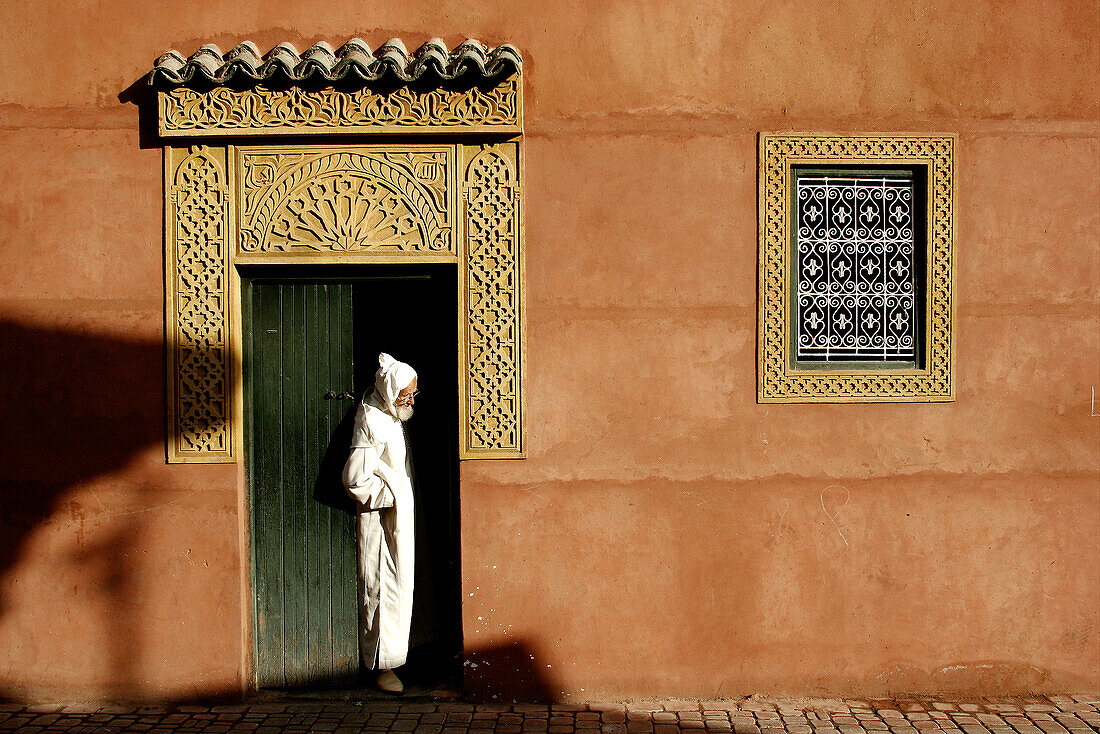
[{"x": 668, "y": 535}]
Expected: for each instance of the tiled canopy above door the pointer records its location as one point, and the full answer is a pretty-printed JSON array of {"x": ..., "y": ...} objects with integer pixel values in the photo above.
[{"x": 232, "y": 199}]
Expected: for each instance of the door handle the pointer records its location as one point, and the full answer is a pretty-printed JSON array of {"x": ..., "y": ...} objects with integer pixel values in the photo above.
[{"x": 330, "y": 395}]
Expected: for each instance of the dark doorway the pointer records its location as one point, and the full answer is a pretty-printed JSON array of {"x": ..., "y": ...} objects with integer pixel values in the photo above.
[{"x": 311, "y": 340}]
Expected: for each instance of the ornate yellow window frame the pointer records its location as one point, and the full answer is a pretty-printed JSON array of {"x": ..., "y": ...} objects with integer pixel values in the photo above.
[
  {"x": 778, "y": 380},
  {"x": 234, "y": 199}
]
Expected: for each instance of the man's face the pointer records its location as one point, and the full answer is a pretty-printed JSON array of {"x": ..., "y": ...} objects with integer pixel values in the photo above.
[{"x": 404, "y": 402}]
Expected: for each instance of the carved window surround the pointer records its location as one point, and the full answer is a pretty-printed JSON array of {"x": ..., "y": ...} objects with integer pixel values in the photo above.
[
  {"x": 780, "y": 378},
  {"x": 453, "y": 197}
]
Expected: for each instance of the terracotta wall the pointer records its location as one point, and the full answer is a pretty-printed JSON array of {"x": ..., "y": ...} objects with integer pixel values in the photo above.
[{"x": 667, "y": 535}]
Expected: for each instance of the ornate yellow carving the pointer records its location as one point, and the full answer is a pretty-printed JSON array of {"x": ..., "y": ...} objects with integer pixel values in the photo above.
[
  {"x": 352, "y": 203},
  {"x": 225, "y": 111},
  {"x": 493, "y": 400},
  {"x": 396, "y": 198},
  {"x": 777, "y": 381},
  {"x": 198, "y": 305}
]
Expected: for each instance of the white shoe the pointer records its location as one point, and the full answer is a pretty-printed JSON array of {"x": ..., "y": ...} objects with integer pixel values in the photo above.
[{"x": 388, "y": 681}]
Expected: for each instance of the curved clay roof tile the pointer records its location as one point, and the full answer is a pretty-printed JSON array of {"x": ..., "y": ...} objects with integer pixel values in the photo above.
[{"x": 353, "y": 59}]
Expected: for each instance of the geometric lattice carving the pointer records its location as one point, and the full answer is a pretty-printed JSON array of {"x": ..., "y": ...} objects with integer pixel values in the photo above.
[
  {"x": 382, "y": 202},
  {"x": 197, "y": 201},
  {"x": 494, "y": 395},
  {"x": 260, "y": 110},
  {"x": 779, "y": 378},
  {"x": 352, "y": 199}
]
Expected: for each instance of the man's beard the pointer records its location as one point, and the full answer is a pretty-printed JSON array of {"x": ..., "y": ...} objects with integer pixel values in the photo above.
[{"x": 404, "y": 412}]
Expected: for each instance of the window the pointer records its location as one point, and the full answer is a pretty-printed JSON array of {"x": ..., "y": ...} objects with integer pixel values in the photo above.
[
  {"x": 855, "y": 267},
  {"x": 856, "y": 239}
]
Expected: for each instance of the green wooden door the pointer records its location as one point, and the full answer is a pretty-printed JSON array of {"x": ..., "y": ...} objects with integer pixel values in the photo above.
[
  {"x": 303, "y": 528},
  {"x": 305, "y": 339}
]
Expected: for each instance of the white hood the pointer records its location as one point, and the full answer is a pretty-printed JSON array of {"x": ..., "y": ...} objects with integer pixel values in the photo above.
[{"x": 391, "y": 378}]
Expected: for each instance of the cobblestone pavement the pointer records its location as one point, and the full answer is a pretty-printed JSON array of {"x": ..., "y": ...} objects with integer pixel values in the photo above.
[{"x": 1032, "y": 715}]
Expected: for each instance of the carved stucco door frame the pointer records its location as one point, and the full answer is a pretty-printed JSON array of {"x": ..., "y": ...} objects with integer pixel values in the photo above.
[{"x": 364, "y": 193}]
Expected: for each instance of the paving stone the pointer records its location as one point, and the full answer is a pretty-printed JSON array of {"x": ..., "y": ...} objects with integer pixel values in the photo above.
[
  {"x": 1031, "y": 715},
  {"x": 1073, "y": 723},
  {"x": 1051, "y": 727},
  {"x": 974, "y": 729}
]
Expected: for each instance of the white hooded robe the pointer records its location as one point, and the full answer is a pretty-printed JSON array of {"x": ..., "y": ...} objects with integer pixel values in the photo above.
[{"x": 378, "y": 475}]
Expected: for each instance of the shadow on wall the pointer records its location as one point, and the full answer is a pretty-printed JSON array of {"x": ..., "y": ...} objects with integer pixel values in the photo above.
[
  {"x": 78, "y": 407},
  {"x": 507, "y": 673},
  {"x": 75, "y": 407}
]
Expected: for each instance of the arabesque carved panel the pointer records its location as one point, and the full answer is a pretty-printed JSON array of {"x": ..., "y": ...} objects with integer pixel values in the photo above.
[
  {"x": 379, "y": 202},
  {"x": 197, "y": 201},
  {"x": 777, "y": 380},
  {"x": 354, "y": 199},
  {"x": 493, "y": 401},
  {"x": 263, "y": 111}
]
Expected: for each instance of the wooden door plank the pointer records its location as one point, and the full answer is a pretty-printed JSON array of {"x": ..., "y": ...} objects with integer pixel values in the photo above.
[
  {"x": 343, "y": 572},
  {"x": 294, "y": 479},
  {"x": 267, "y": 506},
  {"x": 316, "y": 554}
]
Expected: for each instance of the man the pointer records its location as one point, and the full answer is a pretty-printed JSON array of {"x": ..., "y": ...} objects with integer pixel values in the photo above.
[{"x": 378, "y": 476}]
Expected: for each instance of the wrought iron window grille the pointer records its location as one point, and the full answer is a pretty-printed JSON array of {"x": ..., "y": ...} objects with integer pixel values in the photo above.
[{"x": 858, "y": 255}]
